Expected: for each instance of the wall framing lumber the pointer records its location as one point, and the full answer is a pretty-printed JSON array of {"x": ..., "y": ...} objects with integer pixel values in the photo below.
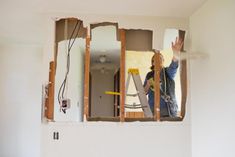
[
  {"x": 87, "y": 78},
  {"x": 122, "y": 75},
  {"x": 49, "y": 112},
  {"x": 157, "y": 70}
]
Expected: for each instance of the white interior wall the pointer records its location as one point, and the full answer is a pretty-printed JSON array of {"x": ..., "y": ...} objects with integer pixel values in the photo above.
[
  {"x": 23, "y": 76},
  {"x": 154, "y": 23},
  {"x": 105, "y": 139},
  {"x": 120, "y": 139},
  {"x": 20, "y": 94},
  {"x": 212, "y": 80},
  {"x": 74, "y": 87},
  {"x": 212, "y": 119},
  {"x": 102, "y": 105}
]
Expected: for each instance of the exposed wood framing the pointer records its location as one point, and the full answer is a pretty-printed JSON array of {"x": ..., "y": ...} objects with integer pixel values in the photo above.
[
  {"x": 61, "y": 29},
  {"x": 122, "y": 75},
  {"x": 55, "y": 54},
  {"x": 157, "y": 70},
  {"x": 175, "y": 119},
  {"x": 49, "y": 112},
  {"x": 183, "y": 78},
  {"x": 184, "y": 84},
  {"x": 134, "y": 115},
  {"x": 109, "y": 119},
  {"x": 87, "y": 78},
  {"x": 146, "y": 119}
]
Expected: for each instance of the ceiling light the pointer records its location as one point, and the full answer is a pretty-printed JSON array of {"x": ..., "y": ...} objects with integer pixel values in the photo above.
[{"x": 102, "y": 58}]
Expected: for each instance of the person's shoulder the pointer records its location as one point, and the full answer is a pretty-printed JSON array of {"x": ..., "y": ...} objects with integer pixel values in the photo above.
[
  {"x": 150, "y": 74},
  {"x": 174, "y": 64}
]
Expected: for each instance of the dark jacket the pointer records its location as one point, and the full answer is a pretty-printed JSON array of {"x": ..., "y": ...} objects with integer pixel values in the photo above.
[{"x": 168, "y": 104}]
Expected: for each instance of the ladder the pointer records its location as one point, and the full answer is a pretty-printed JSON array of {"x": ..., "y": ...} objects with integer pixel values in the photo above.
[{"x": 140, "y": 92}]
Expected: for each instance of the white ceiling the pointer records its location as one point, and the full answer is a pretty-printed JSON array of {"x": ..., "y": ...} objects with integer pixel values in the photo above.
[
  {"x": 175, "y": 8},
  {"x": 23, "y": 20}
]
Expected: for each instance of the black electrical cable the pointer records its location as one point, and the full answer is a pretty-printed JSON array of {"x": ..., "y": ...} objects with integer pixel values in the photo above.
[
  {"x": 68, "y": 59},
  {"x": 68, "y": 63},
  {"x": 63, "y": 85}
]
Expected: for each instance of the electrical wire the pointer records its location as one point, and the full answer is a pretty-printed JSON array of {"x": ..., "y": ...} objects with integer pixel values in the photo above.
[{"x": 63, "y": 85}]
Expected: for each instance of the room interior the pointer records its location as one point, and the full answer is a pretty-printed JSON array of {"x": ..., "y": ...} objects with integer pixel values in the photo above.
[
  {"x": 105, "y": 73},
  {"x": 27, "y": 46}
]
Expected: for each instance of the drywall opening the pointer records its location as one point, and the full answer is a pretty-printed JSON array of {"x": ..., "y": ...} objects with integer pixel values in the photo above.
[
  {"x": 104, "y": 68},
  {"x": 170, "y": 36},
  {"x": 110, "y": 53},
  {"x": 69, "y": 87},
  {"x": 69, "y": 70},
  {"x": 180, "y": 78},
  {"x": 65, "y": 89},
  {"x": 140, "y": 60},
  {"x": 124, "y": 108}
]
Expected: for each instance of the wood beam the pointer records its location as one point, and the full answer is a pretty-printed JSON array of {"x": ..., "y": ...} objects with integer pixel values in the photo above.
[
  {"x": 183, "y": 80},
  {"x": 49, "y": 112},
  {"x": 122, "y": 75},
  {"x": 87, "y": 78},
  {"x": 183, "y": 77},
  {"x": 157, "y": 70}
]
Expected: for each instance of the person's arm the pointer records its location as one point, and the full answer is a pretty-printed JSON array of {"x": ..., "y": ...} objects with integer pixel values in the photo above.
[
  {"x": 176, "y": 47},
  {"x": 172, "y": 69},
  {"x": 147, "y": 83},
  {"x": 146, "y": 87}
]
